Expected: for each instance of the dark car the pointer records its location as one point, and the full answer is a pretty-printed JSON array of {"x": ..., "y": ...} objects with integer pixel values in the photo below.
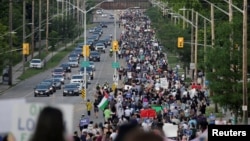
[
  {"x": 103, "y": 25},
  {"x": 94, "y": 56},
  {"x": 89, "y": 70},
  {"x": 71, "y": 89},
  {"x": 73, "y": 56},
  {"x": 58, "y": 71},
  {"x": 66, "y": 67},
  {"x": 49, "y": 82},
  {"x": 104, "y": 42},
  {"x": 78, "y": 51},
  {"x": 42, "y": 89},
  {"x": 57, "y": 83}
]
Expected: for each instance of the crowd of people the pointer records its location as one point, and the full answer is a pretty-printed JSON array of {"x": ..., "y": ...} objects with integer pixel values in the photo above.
[
  {"x": 144, "y": 99},
  {"x": 152, "y": 96}
]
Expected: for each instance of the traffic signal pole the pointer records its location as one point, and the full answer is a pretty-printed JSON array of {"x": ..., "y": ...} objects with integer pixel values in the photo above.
[{"x": 115, "y": 73}]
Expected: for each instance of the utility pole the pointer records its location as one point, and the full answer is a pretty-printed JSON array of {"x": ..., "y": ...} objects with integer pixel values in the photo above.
[
  {"x": 184, "y": 14},
  {"x": 78, "y": 18},
  {"x": 47, "y": 27},
  {"x": 10, "y": 42},
  {"x": 192, "y": 40},
  {"x": 32, "y": 28},
  {"x": 24, "y": 32},
  {"x": 244, "y": 66},
  {"x": 196, "y": 45},
  {"x": 40, "y": 20},
  {"x": 205, "y": 50},
  {"x": 212, "y": 25}
]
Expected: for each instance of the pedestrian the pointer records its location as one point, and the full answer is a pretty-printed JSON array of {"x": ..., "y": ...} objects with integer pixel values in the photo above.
[
  {"x": 76, "y": 137},
  {"x": 96, "y": 109},
  {"x": 89, "y": 107}
]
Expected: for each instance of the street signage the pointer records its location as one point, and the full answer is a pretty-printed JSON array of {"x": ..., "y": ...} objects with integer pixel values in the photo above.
[
  {"x": 84, "y": 63},
  {"x": 115, "y": 65}
]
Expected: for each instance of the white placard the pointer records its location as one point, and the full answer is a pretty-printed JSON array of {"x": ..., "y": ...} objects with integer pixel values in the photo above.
[
  {"x": 127, "y": 87},
  {"x": 129, "y": 74},
  {"x": 6, "y": 107},
  {"x": 164, "y": 83},
  {"x": 25, "y": 116},
  {"x": 170, "y": 130}
]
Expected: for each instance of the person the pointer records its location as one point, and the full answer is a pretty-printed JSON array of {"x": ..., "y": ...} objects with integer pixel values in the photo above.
[
  {"x": 89, "y": 107},
  {"x": 107, "y": 114},
  {"x": 9, "y": 137},
  {"x": 50, "y": 126},
  {"x": 83, "y": 122},
  {"x": 76, "y": 137},
  {"x": 110, "y": 52},
  {"x": 96, "y": 109}
]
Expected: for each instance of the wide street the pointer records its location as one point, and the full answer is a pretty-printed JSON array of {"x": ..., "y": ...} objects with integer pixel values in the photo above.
[{"x": 104, "y": 72}]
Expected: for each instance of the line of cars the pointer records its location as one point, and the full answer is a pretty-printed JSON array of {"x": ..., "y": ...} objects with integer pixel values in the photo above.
[{"x": 61, "y": 74}]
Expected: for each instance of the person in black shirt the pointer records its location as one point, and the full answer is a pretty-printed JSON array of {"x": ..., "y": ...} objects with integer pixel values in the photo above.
[
  {"x": 76, "y": 137},
  {"x": 96, "y": 109}
]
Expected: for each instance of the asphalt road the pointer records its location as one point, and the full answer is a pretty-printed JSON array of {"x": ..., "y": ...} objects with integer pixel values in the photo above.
[{"x": 104, "y": 72}]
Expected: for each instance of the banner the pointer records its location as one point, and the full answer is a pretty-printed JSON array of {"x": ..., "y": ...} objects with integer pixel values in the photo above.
[
  {"x": 24, "y": 118},
  {"x": 147, "y": 113},
  {"x": 164, "y": 83}
]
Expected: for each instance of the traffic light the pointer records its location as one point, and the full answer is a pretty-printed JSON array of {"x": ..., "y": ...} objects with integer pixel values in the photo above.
[
  {"x": 85, "y": 51},
  {"x": 180, "y": 42},
  {"x": 83, "y": 93},
  {"x": 26, "y": 49},
  {"x": 115, "y": 46}
]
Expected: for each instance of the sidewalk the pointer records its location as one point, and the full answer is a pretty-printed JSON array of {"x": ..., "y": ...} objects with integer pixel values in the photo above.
[{"x": 17, "y": 70}]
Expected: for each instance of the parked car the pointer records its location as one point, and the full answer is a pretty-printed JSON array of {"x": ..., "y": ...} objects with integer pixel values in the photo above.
[
  {"x": 42, "y": 89},
  {"x": 58, "y": 71},
  {"x": 73, "y": 63},
  {"x": 94, "y": 56},
  {"x": 36, "y": 63},
  {"x": 71, "y": 89},
  {"x": 100, "y": 47},
  {"x": 66, "y": 67},
  {"x": 60, "y": 77},
  {"x": 92, "y": 29}
]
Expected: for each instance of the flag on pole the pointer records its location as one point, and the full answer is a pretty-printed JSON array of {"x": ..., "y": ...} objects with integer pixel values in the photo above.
[{"x": 104, "y": 102}]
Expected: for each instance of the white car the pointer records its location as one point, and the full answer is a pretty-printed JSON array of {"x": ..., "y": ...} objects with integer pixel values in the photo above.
[
  {"x": 76, "y": 78},
  {"x": 104, "y": 15},
  {"x": 99, "y": 12},
  {"x": 36, "y": 63},
  {"x": 100, "y": 47}
]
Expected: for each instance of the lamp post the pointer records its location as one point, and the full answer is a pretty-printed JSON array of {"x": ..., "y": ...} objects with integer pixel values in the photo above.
[
  {"x": 10, "y": 41},
  {"x": 85, "y": 33}
]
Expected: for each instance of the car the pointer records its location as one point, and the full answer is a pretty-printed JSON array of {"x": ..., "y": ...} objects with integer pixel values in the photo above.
[
  {"x": 107, "y": 40},
  {"x": 42, "y": 89},
  {"x": 100, "y": 47},
  {"x": 58, "y": 71},
  {"x": 103, "y": 25},
  {"x": 78, "y": 51},
  {"x": 92, "y": 29},
  {"x": 92, "y": 65},
  {"x": 76, "y": 78},
  {"x": 36, "y": 63},
  {"x": 94, "y": 56},
  {"x": 71, "y": 89},
  {"x": 57, "y": 83},
  {"x": 73, "y": 63},
  {"x": 98, "y": 12},
  {"x": 89, "y": 71},
  {"x": 80, "y": 45},
  {"x": 73, "y": 56},
  {"x": 104, "y": 15},
  {"x": 103, "y": 41},
  {"x": 96, "y": 37},
  {"x": 99, "y": 32},
  {"x": 79, "y": 85},
  {"x": 111, "y": 17},
  {"x": 61, "y": 77},
  {"x": 66, "y": 67},
  {"x": 49, "y": 82}
]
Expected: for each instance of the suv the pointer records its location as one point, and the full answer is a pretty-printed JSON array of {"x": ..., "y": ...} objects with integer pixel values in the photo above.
[
  {"x": 100, "y": 47},
  {"x": 94, "y": 56},
  {"x": 36, "y": 63}
]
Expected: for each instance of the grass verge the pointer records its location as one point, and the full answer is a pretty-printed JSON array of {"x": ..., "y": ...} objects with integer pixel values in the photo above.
[{"x": 53, "y": 62}]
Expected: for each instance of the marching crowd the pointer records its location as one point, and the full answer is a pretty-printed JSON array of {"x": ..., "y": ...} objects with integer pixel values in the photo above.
[{"x": 143, "y": 101}]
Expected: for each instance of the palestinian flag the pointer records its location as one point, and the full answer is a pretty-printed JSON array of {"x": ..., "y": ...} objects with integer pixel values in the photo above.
[{"x": 104, "y": 102}]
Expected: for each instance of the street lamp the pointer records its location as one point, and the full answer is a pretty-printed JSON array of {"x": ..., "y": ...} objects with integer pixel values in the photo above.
[{"x": 85, "y": 33}]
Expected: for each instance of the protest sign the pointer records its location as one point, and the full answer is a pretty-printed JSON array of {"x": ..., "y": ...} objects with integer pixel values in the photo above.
[
  {"x": 170, "y": 130},
  {"x": 164, "y": 83},
  {"x": 24, "y": 118},
  {"x": 6, "y": 107}
]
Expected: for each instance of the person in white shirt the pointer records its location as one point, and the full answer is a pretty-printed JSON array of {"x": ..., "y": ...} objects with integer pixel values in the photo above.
[
  {"x": 127, "y": 113},
  {"x": 113, "y": 134}
]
